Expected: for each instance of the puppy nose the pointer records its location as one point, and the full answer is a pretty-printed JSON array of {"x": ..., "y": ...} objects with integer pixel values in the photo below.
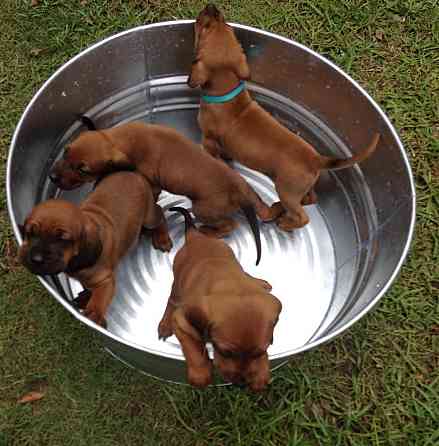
[
  {"x": 36, "y": 258},
  {"x": 211, "y": 10},
  {"x": 53, "y": 177}
]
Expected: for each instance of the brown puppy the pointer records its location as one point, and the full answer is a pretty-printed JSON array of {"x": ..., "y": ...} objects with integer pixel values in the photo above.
[
  {"x": 240, "y": 129},
  {"x": 169, "y": 161},
  {"x": 213, "y": 299},
  {"x": 87, "y": 241}
]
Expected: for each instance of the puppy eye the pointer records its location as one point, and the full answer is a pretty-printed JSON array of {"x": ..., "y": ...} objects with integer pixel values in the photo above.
[
  {"x": 83, "y": 170},
  {"x": 32, "y": 231},
  {"x": 63, "y": 235}
]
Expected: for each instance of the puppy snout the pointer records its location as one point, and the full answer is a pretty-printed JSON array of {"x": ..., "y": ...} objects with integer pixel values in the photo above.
[
  {"x": 36, "y": 258},
  {"x": 211, "y": 10},
  {"x": 234, "y": 378}
]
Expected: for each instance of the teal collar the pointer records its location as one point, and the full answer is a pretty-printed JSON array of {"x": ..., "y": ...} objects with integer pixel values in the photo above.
[{"x": 225, "y": 97}]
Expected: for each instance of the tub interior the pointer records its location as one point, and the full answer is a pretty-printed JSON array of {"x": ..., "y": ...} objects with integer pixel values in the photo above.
[{"x": 312, "y": 270}]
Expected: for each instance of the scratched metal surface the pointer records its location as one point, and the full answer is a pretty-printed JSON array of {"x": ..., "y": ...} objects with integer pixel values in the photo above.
[{"x": 327, "y": 275}]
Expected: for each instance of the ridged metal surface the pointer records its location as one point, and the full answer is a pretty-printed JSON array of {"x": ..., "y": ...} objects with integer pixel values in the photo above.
[{"x": 327, "y": 275}]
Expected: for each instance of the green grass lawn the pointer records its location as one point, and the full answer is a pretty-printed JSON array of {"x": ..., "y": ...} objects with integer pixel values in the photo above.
[{"x": 377, "y": 384}]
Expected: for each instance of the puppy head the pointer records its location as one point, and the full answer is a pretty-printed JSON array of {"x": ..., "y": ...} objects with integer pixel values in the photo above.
[
  {"x": 51, "y": 235},
  {"x": 240, "y": 330},
  {"x": 218, "y": 52},
  {"x": 241, "y": 337},
  {"x": 86, "y": 159}
]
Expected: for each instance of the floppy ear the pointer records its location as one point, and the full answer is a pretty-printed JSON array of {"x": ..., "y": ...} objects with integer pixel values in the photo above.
[
  {"x": 199, "y": 74},
  {"x": 186, "y": 326},
  {"x": 86, "y": 250},
  {"x": 241, "y": 68}
]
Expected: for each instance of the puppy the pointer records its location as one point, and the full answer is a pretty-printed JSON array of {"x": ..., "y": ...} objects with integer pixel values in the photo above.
[
  {"x": 236, "y": 127},
  {"x": 88, "y": 241},
  {"x": 170, "y": 161},
  {"x": 213, "y": 299}
]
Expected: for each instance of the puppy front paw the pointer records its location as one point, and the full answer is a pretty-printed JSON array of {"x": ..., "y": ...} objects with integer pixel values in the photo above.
[
  {"x": 95, "y": 315},
  {"x": 161, "y": 241},
  {"x": 200, "y": 377},
  {"x": 259, "y": 384},
  {"x": 165, "y": 329},
  {"x": 266, "y": 285},
  {"x": 289, "y": 223}
]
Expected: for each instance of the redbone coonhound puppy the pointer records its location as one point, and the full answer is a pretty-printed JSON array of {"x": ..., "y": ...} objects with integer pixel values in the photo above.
[
  {"x": 214, "y": 299},
  {"x": 240, "y": 129},
  {"x": 169, "y": 161},
  {"x": 88, "y": 241}
]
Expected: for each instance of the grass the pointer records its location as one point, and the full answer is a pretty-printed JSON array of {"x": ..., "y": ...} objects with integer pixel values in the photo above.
[{"x": 378, "y": 384}]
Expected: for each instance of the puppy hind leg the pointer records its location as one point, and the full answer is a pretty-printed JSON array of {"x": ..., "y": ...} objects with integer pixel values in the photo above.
[
  {"x": 101, "y": 297},
  {"x": 295, "y": 216},
  {"x": 165, "y": 329},
  {"x": 155, "y": 221},
  {"x": 214, "y": 225},
  {"x": 309, "y": 198}
]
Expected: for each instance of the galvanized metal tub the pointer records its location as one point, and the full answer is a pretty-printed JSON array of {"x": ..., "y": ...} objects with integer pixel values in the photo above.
[{"x": 327, "y": 275}]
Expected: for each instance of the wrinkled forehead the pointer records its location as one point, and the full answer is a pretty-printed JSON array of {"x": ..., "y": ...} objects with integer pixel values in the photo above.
[
  {"x": 247, "y": 337},
  {"x": 53, "y": 214}
]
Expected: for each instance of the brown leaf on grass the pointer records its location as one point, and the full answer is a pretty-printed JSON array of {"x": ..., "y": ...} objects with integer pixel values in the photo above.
[
  {"x": 35, "y": 51},
  {"x": 34, "y": 2},
  {"x": 379, "y": 35},
  {"x": 30, "y": 397},
  {"x": 435, "y": 329}
]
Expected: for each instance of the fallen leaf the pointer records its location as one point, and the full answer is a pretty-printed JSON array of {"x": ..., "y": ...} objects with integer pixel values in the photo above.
[
  {"x": 435, "y": 329},
  {"x": 34, "y": 2},
  {"x": 379, "y": 35},
  {"x": 30, "y": 397},
  {"x": 36, "y": 51}
]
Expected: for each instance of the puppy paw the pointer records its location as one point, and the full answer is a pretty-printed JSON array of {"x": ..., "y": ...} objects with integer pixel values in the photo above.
[
  {"x": 200, "y": 377},
  {"x": 287, "y": 223},
  {"x": 164, "y": 330},
  {"x": 161, "y": 241},
  {"x": 259, "y": 384},
  {"x": 271, "y": 213},
  {"x": 96, "y": 316},
  {"x": 265, "y": 285}
]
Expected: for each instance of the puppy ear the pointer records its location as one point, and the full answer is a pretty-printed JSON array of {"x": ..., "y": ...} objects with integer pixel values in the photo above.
[
  {"x": 86, "y": 250},
  {"x": 199, "y": 74},
  {"x": 241, "y": 68}
]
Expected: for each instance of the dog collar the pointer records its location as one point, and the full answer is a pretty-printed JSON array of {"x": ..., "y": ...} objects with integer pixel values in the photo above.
[{"x": 225, "y": 97}]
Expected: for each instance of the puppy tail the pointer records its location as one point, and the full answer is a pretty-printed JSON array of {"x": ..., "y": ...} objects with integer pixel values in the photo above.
[
  {"x": 188, "y": 220},
  {"x": 87, "y": 122},
  {"x": 329, "y": 163},
  {"x": 250, "y": 214}
]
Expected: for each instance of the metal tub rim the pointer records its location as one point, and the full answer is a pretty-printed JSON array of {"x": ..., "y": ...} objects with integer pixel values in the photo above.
[{"x": 278, "y": 356}]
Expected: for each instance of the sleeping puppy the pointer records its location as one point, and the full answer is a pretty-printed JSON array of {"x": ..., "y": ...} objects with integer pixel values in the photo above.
[
  {"x": 236, "y": 127},
  {"x": 169, "y": 161},
  {"x": 213, "y": 299},
  {"x": 88, "y": 241}
]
